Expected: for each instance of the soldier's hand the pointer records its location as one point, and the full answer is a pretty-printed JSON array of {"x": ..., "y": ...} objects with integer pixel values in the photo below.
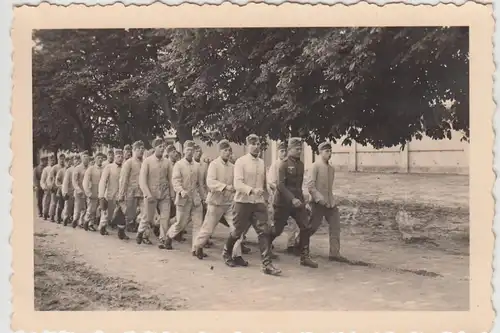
[
  {"x": 296, "y": 202},
  {"x": 322, "y": 202},
  {"x": 103, "y": 203},
  {"x": 183, "y": 194},
  {"x": 229, "y": 188},
  {"x": 258, "y": 191},
  {"x": 121, "y": 198},
  {"x": 66, "y": 197}
]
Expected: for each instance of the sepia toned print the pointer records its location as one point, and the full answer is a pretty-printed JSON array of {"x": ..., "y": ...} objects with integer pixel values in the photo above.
[{"x": 230, "y": 167}]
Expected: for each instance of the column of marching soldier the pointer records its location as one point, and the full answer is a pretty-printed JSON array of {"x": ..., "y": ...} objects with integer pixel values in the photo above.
[{"x": 160, "y": 192}]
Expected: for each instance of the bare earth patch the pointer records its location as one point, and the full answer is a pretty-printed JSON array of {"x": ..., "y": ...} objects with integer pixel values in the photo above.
[{"x": 67, "y": 284}]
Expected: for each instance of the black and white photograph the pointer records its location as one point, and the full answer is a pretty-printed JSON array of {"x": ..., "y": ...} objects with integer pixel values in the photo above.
[{"x": 251, "y": 168}]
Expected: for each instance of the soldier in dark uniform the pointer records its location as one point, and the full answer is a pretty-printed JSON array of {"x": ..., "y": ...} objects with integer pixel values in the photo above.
[
  {"x": 289, "y": 200},
  {"x": 37, "y": 176}
]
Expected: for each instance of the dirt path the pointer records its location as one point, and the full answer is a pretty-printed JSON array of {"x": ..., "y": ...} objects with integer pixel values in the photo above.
[{"x": 413, "y": 279}]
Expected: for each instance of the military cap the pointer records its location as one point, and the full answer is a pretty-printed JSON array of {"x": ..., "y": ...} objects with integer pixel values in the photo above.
[
  {"x": 85, "y": 152},
  {"x": 68, "y": 158},
  {"x": 224, "y": 144},
  {"x": 324, "y": 146},
  {"x": 76, "y": 156},
  {"x": 281, "y": 145},
  {"x": 118, "y": 151},
  {"x": 137, "y": 144},
  {"x": 156, "y": 142},
  {"x": 110, "y": 152},
  {"x": 252, "y": 139},
  {"x": 99, "y": 154},
  {"x": 43, "y": 158},
  {"x": 127, "y": 147},
  {"x": 294, "y": 142},
  {"x": 197, "y": 147},
  {"x": 61, "y": 155},
  {"x": 170, "y": 148},
  {"x": 189, "y": 144}
]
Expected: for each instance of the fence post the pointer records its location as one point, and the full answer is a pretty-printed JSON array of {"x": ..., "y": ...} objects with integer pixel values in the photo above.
[{"x": 353, "y": 156}]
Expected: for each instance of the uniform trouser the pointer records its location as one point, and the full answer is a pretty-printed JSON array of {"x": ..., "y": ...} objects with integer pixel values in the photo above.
[
  {"x": 69, "y": 206},
  {"x": 107, "y": 214},
  {"x": 54, "y": 201},
  {"x": 189, "y": 212},
  {"x": 291, "y": 228},
  {"x": 256, "y": 215},
  {"x": 151, "y": 207},
  {"x": 332, "y": 217},
  {"x": 47, "y": 195},
  {"x": 91, "y": 213},
  {"x": 39, "y": 201},
  {"x": 79, "y": 210},
  {"x": 130, "y": 211},
  {"x": 57, "y": 205},
  {"x": 212, "y": 217},
  {"x": 299, "y": 214}
]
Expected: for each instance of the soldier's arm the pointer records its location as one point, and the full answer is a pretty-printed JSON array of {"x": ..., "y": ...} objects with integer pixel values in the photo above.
[
  {"x": 213, "y": 183},
  {"x": 170, "y": 170},
  {"x": 124, "y": 178},
  {"x": 36, "y": 181},
  {"x": 311, "y": 184},
  {"x": 87, "y": 182},
  {"x": 281, "y": 182},
  {"x": 239, "y": 178},
  {"x": 65, "y": 183},
  {"x": 201, "y": 184},
  {"x": 43, "y": 179},
  {"x": 177, "y": 178},
  {"x": 103, "y": 182},
  {"x": 76, "y": 181},
  {"x": 143, "y": 179},
  {"x": 60, "y": 177}
]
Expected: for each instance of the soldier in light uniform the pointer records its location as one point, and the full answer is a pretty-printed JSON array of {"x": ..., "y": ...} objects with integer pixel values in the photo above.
[
  {"x": 109, "y": 187},
  {"x": 68, "y": 191},
  {"x": 155, "y": 184},
  {"x": 110, "y": 158},
  {"x": 289, "y": 200},
  {"x": 250, "y": 205},
  {"x": 220, "y": 177},
  {"x": 59, "y": 183},
  {"x": 323, "y": 205},
  {"x": 130, "y": 194},
  {"x": 44, "y": 184},
  {"x": 80, "y": 198},
  {"x": 90, "y": 184},
  {"x": 51, "y": 184},
  {"x": 186, "y": 180},
  {"x": 272, "y": 180},
  {"x": 37, "y": 176},
  {"x": 127, "y": 152}
]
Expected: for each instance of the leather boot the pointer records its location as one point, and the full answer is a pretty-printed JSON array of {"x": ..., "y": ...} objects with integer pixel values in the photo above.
[
  {"x": 179, "y": 238},
  {"x": 227, "y": 252},
  {"x": 122, "y": 235},
  {"x": 199, "y": 253},
  {"x": 156, "y": 230},
  {"x": 103, "y": 231},
  {"x": 138, "y": 238},
  {"x": 269, "y": 269},
  {"x": 245, "y": 249},
  {"x": 74, "y": 224},
  {"x": 65, "y": 221},
  {"x": 305, "y": 259}
]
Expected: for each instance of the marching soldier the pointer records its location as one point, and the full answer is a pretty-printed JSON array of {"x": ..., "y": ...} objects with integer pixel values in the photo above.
[
  {"x": 189, "y": 194},
  {"x": 220, "y": 177},
  {"x": 68, "y": 191},
  {"x": 77, "y": 180},
  {"x": 250, "y": 205},
  {"x": 130, "y": 194},
  {"x": 110, "y": 158},
  {"x": 171, "y": 153},
  {"x": 320, "y": 187},
  {"x": 289, "y": 200},
  {"x": 37, "y": 176},
  {"x": 90, "y": 184},
  {"x": 155, "y": 184},
  {"x": 44, "y": 184},
  {"x": 108, "y": 194},
  {"x": 127, "y": 152},
  {"x": 59, "y": 183},
  {"x": 51, "y": 184},
  {"x": 272, "y": 180}
]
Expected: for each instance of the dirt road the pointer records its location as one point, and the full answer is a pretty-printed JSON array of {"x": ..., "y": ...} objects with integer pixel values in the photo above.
[{"x": 78, "y": 270}]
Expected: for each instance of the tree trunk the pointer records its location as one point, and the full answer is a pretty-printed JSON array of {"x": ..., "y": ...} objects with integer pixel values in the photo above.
[
  {"x": 87, "y": 141},
  {"x": 184, "y": 133}
]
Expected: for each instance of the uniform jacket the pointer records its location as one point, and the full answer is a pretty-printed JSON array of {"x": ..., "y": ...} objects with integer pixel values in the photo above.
[
  {"x": 37, "y": 175},
  {"x": 249, "y": 173},
  {"x": 109, "y": 183},
  {"x": 44, "y": 176},
  {"x": 203, "y": 169},
  {"x": 129, "y": 178},
  {"x": 60, "y": 179},
  {"x": 77, "y": 179},
  {"x": 219, "y": 175},
  {"x": 186, "y": 176},
  {"x": 51, "y": 179},
  {"x": 272, "y": 173},
  {"x": 290, "y": 180},
  {"x": 320, "y": 182},
  {"x": 154, "y": 178},
  {"x": 67, "y": 185},
  {"x": 91, "y": 181}
]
